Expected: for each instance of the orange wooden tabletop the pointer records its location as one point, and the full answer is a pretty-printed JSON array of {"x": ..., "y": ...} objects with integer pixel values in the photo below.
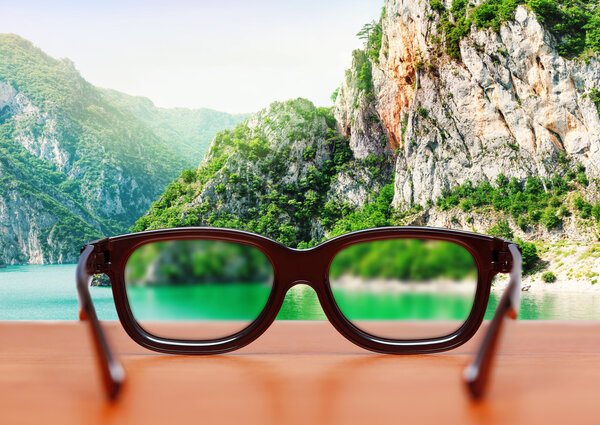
[{"x": 299, "y": 373}]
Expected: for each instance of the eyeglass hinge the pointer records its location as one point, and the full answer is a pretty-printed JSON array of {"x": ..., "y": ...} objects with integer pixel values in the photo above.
[
  {"x": 100, "y": 258},
  {"x": 502, "y": 261}
]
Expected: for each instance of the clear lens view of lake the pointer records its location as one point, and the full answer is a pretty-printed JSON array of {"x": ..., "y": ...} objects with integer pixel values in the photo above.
[{"x": 34, "y": 292}]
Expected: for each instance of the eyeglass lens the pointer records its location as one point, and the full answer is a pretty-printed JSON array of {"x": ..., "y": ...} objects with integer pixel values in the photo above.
[
  {"x": 398, "y": 289},
  {"x": 197, "y": 289},
  {"x": 405, "y": 288}
]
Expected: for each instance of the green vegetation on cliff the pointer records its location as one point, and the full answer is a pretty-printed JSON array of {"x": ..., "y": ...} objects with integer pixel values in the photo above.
[
  {"x": 533, "y": 205},
  {"x": 574, "y": 23},
  {"x": 372, "y": 34},
  {"x": 536, "y": 202}
]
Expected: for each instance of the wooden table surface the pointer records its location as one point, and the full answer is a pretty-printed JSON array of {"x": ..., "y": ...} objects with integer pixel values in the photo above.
[{"x": 299, "y": 373}]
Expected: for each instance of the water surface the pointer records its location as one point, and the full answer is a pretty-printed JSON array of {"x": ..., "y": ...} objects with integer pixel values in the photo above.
[{"x": 48, "y": 292}]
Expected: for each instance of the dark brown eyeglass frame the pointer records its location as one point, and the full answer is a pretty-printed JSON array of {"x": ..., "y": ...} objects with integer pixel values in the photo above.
[{"x": 310, "y": 267}]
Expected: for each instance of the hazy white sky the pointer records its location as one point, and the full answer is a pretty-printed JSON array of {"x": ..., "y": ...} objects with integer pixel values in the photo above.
[{"x": 234, "y": 56}]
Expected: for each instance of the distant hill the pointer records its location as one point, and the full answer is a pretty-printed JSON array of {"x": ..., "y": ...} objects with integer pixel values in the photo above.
[{"x": 190, "y": 131}]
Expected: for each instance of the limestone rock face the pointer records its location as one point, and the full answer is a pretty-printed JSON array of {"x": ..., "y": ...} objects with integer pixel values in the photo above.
[
  {"x": 36, "y": 131},
  {"x": 22, "y": 221},
  {"x": 8, "y": 102},
  {"x": 357, "y": 114},
  {"x": 510, "y": 105}
]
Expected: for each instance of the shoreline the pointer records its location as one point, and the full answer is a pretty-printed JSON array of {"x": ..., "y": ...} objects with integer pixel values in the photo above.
[
  {"x": 531, "y": 283},
  {"x": 536, "y": 285}
]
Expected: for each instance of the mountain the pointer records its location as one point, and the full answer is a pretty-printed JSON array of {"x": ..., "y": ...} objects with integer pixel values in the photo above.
[
  {"x": 189, "y": 130},
  {"x": 73, "y": 165},
  {"x": 273, "y": 174},
  {"x": 482, "y": 116}
]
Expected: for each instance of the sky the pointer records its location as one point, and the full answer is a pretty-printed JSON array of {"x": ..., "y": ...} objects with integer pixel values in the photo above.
[{"x": 234, "y": 56}]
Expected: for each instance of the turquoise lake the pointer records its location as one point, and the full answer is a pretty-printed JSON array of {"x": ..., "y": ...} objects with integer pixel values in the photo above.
[{"x": 35, "y": 292}]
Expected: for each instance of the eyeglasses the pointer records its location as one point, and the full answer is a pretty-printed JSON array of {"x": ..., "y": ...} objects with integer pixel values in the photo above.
[{"x": 395, "y": 290}]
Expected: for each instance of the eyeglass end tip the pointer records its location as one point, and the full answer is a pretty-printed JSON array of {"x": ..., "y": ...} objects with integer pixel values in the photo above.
[
  {"x": 117, "y": 377},
  {"x": 472, "y": 381},
  {"x": 83, "y": 316}
]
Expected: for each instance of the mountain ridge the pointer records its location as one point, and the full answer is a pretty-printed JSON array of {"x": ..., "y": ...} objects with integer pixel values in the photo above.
[
  {"x": 74, "y": 166},
  {"x": 191, "y": 129}
]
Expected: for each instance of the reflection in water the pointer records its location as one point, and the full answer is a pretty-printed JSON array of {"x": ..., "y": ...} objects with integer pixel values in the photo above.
[
  {"x": 301, "y": 303},
  {"x": 233, "y": 306},
  {"x": 395, "y": 314},
  {"x": 366, "y": 304},
  {"x": 555, "y": 306},
  {"x": 198, "y": 302}
]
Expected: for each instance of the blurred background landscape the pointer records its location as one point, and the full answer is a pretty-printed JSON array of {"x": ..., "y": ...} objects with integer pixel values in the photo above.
[{"x": 482, "y": 116}]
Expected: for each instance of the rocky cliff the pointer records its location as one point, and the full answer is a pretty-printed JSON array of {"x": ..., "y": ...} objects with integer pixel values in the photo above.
[{"x": 506, "y": 102}]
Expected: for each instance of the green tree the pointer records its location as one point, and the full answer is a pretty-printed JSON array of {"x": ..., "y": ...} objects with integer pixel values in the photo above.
[{"x": 501, "y": 230}]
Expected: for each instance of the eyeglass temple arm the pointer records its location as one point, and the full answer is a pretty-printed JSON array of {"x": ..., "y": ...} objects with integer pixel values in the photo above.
[
  {"x": 477, "y": 373},
  {"x": 111, "y": 370}
]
